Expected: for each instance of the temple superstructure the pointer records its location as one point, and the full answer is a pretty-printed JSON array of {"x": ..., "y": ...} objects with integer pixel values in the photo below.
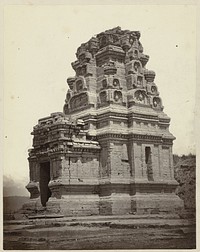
[{"x": 110, "y": 151}]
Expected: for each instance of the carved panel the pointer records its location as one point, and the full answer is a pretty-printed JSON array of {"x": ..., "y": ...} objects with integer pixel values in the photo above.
[
  {"x": 133, "y": 54},
  {"x": 134, "y": 67},
  {"x": 93, "y": 45},
  {"x": 116, "y": 83},
  {"x": 134, "y": 81},
  {"x": 157, "y": 102},
  {"x": 140, "y": 97},
  {"x": 118, "y": 96},
  {"x": 109, "y": 39},
  {"x": 152, "y": 89},
  {"x": 79, "y": 101},
  {"x": 139, "y": 81}
]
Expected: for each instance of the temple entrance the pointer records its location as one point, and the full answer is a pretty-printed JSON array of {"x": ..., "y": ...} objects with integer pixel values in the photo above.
[{"x": 45, "y": 193}]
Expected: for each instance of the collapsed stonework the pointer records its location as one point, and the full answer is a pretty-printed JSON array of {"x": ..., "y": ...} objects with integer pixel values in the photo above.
[{"x": 110, "y": 151}]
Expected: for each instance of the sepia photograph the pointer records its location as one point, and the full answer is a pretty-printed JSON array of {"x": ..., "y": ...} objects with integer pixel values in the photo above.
[{"x": 99, "y": 105}]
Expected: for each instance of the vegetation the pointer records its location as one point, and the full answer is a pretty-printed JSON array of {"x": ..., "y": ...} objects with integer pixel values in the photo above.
[{"x": 185, "y": 174}]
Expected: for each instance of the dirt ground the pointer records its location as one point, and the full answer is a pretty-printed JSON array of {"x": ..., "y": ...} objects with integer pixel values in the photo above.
[{"x": 99, "y": 234}]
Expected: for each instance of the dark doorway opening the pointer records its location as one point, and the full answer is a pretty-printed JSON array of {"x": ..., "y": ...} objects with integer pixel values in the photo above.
[
  {"x": 148, "y": 160},
  {"x": 45, "y": 192}
]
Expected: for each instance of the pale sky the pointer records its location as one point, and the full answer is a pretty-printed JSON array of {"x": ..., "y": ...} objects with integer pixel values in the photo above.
[{"x": 40, "y": 43}]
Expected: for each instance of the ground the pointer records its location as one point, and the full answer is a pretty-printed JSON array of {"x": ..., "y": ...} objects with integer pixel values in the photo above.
[{"x": 119, "y": 232}]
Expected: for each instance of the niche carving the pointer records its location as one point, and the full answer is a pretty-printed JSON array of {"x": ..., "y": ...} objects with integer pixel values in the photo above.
[
  {"x": 139, "y": 81},
  {"x": 118, "y": 96},
  {"x": 140, "y": 97},
  {"x": 80, "y": 84},
  {"x": 103, "y": 97},
  {"x": 134, "y": 67},
  {"x": 116, "y": 83},
  {"x": 133, "y": 54},
  {"x": 157, "y": 102},
  {"x": 153, "y": 89}
]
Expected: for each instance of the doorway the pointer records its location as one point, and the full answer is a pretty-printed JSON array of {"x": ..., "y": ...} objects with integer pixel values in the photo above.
[
  {"x": 148, "y": 161},
  {"x": 45, "y": 192}
]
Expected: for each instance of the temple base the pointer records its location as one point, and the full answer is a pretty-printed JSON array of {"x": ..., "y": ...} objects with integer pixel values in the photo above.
[
  {"x": 156, "y": 203},
  {"x": 110, "y": 199},
  {"x": 114, "y": 204},
  {"x": 74, "y": 205},
  {"x": 33, "y": 206}
]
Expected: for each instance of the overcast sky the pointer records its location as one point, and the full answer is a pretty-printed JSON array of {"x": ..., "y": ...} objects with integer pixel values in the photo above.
[{"x": 40, "y": 43}]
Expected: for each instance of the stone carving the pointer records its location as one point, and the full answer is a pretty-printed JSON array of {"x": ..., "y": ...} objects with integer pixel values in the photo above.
[
  {"x": 132, "y": 54},
  {"x": 139, "y": 81},
  {"x": 149, "y": 75},
  {"x": 118, "y": 96},
  {"x": 116, "y": 83},
  {"x": 144, "y": 59},
  {"x": 106, "y": 55},
  {"x": 79, "y": 101},
  {"x": 80, "y": 84},
  {"x": 70, "y": 82},
  {"x": 157, "y": 102},
  {"x": 112, "y": 138},
  {"x": 109, "y": 68},
  {"x": 134, "y": 67},
  {"x": 139, "y": 96},
  {"x": 152, "y": 89}
]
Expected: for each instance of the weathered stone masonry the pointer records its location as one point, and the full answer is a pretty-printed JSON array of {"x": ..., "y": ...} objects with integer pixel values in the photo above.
[{"x": 110, "y": 151}]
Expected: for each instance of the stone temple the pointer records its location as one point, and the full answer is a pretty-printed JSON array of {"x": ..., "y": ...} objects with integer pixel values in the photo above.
[{"x": 110, "y": 151}]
